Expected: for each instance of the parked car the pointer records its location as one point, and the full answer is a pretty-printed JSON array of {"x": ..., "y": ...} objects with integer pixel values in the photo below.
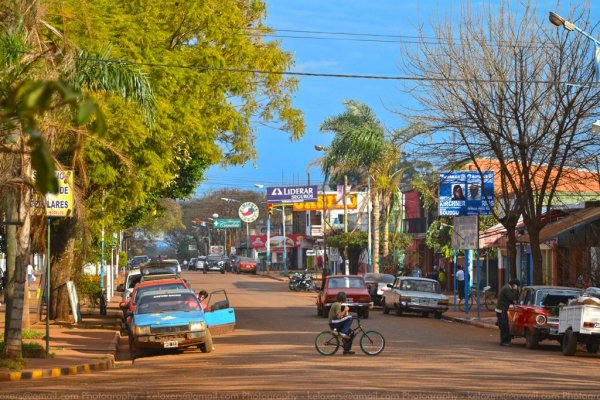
[
  {"x": 137, "y": 261},
  {"x": 245, "y": 264},
  {"x": 412, "y": 294},
  {"x": 536, "y": 315},
  {"x": 377, "y": 284},
  {"x": 215, "y": 262},
  {"x": 357, "y": 295},
  {"x": 160, "y": 270},
  {"x": 200, "y": 261},
  {"x": 169, "y": 319},
  {"x": 133, "y": 277},
  {"x": 174, "y": 262}
]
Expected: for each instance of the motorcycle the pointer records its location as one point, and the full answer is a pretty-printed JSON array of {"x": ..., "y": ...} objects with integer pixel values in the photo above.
[
  {"x": 294, "y": 280},
  {"x": 302, "y": 282}
]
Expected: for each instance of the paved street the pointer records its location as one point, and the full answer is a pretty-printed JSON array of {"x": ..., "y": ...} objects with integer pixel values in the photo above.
[{"x": 271, "y": 352}]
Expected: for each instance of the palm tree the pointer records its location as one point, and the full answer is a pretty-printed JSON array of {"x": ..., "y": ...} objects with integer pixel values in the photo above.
[
  {"x": 34, "y": 83},
  {"x": 358, "y": 145}
]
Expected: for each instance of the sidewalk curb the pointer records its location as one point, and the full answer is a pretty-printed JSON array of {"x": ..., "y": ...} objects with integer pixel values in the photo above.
[
  {"x": 104, "y": 363},
  {"x": 473, "y": 322}
]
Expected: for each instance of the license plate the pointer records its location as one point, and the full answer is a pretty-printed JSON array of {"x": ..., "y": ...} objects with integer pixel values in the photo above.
[
  {"x": 349, "y": 300},
  {"x": 170, "y": 344}
]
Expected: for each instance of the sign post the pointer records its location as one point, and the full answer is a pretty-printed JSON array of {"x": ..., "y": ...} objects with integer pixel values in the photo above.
[{"x": 248, "y": 212}]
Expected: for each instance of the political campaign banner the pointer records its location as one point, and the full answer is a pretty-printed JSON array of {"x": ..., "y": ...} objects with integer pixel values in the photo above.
[{"x": 464, "y": 193}]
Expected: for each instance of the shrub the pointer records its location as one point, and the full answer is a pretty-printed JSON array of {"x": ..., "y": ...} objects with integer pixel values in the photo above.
[{"x": 88, "y": 289}]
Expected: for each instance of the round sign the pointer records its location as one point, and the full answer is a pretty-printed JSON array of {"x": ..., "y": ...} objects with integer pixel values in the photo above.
[{"x": 248, "y": 212}]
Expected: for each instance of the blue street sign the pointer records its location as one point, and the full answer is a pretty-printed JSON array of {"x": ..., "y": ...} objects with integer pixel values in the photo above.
[{"x": 292, "y": 194}]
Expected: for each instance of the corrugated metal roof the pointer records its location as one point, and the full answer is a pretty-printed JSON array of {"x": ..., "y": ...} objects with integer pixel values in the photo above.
[{"x": 574, "y": 220}]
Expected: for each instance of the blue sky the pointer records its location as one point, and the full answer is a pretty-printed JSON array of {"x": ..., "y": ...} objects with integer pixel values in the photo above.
[{"x": 282, "y": 162}]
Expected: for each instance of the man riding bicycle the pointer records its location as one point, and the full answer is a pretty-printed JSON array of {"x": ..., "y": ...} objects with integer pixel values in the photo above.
[{"x": 340, "y": 321}]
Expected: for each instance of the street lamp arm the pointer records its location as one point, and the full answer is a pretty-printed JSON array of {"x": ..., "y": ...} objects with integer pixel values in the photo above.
[{"x": 557, "y": 20}]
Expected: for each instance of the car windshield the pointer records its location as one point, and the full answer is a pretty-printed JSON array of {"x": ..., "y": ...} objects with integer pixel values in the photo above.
[
  {"x": 168, "y": 302},
  {"x": 144, "y": 289},
  {"x": 215, "y": 258},
  {"x": 133, "y": 280},
  {"x": 246, "y": 259},
  {"x": 382, "y": 278},
  {"x": 554, "y": 297},
  {"x": 420, "y": 286},
  {"x": 346, "y": 282}
]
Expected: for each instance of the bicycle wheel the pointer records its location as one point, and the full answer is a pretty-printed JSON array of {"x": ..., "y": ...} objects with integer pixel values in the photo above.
[
  {"x": 327, "y": 343},
  {"x": 490, "y": 304},
  {"x": 372, "y": 343}
]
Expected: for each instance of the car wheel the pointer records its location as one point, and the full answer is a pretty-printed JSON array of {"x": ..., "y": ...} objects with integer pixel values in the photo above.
[
  {"x": 207, "y": 346},
  {"x": 365, "y": 314},
  {"x": 319, "y": 311},
  {"x": 398, "y": 311},
  {"x": 254, "y": 272},
  {"x": 222, "y": 271},
  {"x": 425, "y": 314},
  {"x": 569, "y": 345},
  {"x": 325, "y": 313},
  {"x": 386, "y": 310},
  {"x": 592, "y": 347},
  {"x": 531, "y": 339},
  {"x": 437, "y": 315}
]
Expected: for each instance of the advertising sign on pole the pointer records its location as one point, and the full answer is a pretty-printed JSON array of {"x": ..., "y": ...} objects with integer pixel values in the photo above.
[
  {"x": 248, "y": 212},
  {"x": 463, "y": 193},
  {"x": 57, "y": 204},
  {"x": 292, "y": 194},
  {"x": 227, "y": 223},
  {"x": 465, "y": 234}
]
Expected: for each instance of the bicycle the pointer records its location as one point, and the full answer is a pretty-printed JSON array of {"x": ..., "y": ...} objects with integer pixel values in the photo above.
[
  {"x": 487, "y": 299},
  {"x": 371, "y": 342}
]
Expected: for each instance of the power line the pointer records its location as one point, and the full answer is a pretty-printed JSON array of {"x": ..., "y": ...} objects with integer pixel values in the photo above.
[{"x": 322, "y": 75}]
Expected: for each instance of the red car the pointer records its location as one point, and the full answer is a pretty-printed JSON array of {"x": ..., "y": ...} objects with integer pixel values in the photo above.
[
  {"x": 245, "y": 264},
  {"x": 535, "y": 316},
  {"x": 357, "y": 295},
  {"x": 128, "y": 307}
]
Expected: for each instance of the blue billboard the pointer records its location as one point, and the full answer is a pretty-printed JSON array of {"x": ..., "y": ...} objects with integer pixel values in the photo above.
[
  {"x": 292, "y": 194},
  {"x": 463, "y": 193}
]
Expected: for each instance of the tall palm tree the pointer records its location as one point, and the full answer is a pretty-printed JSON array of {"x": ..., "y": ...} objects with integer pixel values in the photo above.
[
  {"x": 359, "y": 145},
  {"x": 32, "y": 84}
]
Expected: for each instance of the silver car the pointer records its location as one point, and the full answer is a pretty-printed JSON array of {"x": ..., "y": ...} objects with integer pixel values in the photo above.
[{"x": 411, "y": 294}]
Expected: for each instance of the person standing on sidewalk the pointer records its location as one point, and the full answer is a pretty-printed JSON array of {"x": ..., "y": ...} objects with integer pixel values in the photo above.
[
  {"x": 460, "y": 281},
  {"x": 508, "y": 295}
]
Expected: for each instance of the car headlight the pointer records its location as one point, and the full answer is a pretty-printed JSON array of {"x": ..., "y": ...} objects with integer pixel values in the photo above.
[
  {"x": 540, "y": 319},
  {"x": 142, "y": 330},
  {"x": 197, "y": 326}
]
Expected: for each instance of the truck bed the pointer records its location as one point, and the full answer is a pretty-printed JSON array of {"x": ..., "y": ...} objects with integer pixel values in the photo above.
[{"x": 581, "y": 318}]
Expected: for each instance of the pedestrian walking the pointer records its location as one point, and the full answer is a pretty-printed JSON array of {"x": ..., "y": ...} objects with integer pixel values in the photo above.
[
  {"x": 30, "y": 276},
  {"x": 442, "y": 278},
  {"x": 508, "y": 295},
  {"x": 460, "y": 281}
]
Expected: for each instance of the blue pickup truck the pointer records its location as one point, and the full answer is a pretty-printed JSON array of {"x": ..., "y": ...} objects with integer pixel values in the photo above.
[{"x": 168, "y": 319}]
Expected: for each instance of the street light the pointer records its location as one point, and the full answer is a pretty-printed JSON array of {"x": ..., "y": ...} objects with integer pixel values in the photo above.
[
  {"x": 323, "y": 219},
  {"x": 268, "y": 247}
]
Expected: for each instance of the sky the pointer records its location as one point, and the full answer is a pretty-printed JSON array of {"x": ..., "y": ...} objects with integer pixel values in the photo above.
[{"x": 377, "y": 27}]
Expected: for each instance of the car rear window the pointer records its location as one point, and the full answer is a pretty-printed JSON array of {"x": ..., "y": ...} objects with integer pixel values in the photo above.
[
  {"x": 168, "y": 302},
  {"x": 553, "y": 298},
  {"x": 346, "y": 283},
  {"x": 145, "y": 289},
  {"x": 420, "y": 286}
]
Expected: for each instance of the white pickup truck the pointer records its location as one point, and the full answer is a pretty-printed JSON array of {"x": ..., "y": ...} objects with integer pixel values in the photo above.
[{"x": 579, "y": 323}]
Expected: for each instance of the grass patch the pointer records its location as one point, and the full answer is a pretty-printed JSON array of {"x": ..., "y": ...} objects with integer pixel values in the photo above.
[
  {"x": 28, "y": 334},
  {"x": 30, "y": 350}
]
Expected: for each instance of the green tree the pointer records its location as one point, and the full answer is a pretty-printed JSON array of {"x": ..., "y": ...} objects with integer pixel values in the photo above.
[{"x": 359, "y": 144}]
